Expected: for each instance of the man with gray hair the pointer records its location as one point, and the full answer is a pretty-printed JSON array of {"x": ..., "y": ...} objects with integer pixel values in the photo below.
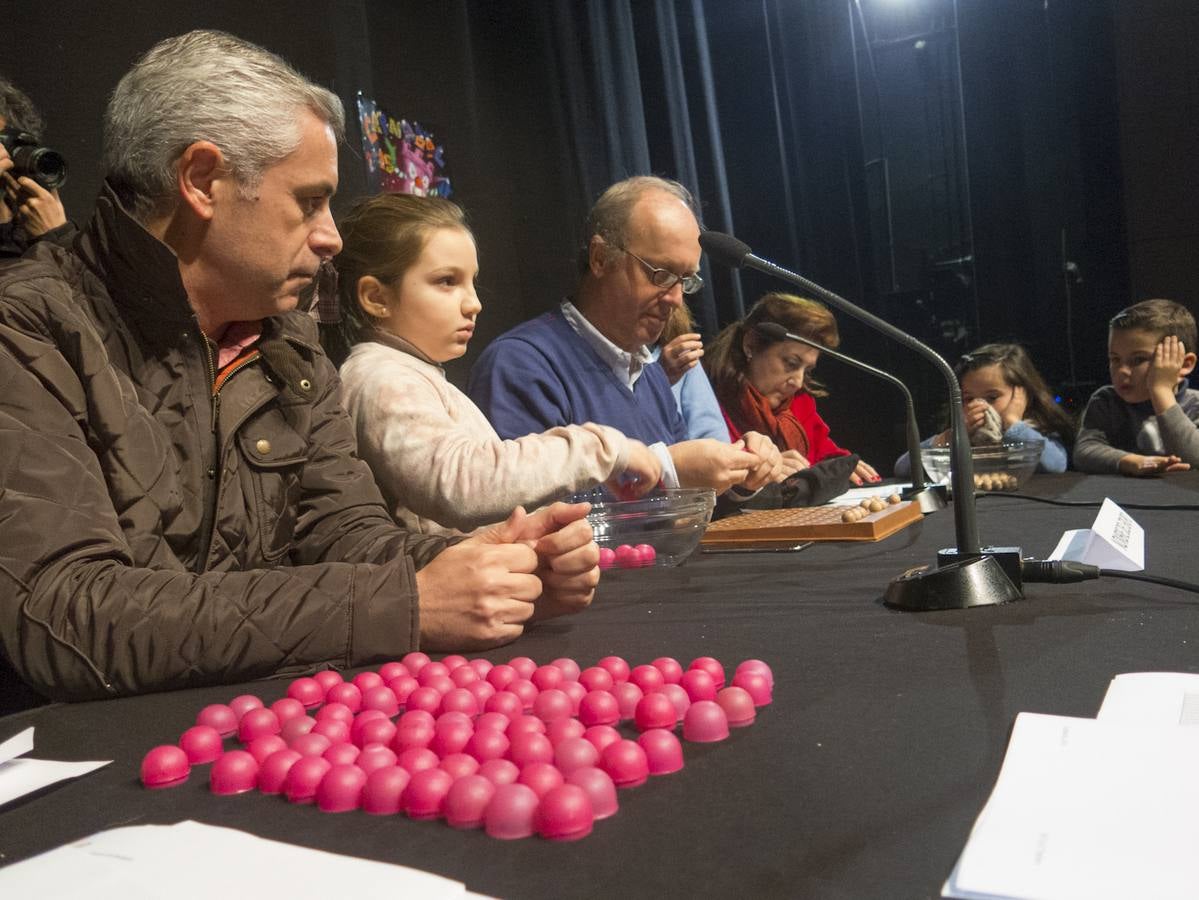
[
  {"x": 589, "y": 359},
  {"x": 180, "y": 500},
  {"x": 28, "y": 211}
]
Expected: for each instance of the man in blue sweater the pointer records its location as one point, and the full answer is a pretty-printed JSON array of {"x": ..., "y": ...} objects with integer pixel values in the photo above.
[{"x": 588, "y": 360}]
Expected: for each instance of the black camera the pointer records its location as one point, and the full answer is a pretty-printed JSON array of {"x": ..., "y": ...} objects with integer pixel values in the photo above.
[{"x": 45, "y": 166}]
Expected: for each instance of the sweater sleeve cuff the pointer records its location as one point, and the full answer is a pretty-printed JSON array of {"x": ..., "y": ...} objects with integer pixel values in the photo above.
[{"x": 670, "y": 477}]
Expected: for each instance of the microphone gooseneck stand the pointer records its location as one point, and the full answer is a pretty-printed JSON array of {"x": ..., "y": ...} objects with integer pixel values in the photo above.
[
  {"x": 966, "y": 575},
  {"x": 929, "y": 499}
]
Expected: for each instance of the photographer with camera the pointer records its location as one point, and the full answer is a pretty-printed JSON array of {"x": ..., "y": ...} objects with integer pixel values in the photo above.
[{"x": 30, "y": 175}]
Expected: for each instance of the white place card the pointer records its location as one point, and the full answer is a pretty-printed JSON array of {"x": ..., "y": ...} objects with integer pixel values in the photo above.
[{"x": 1114, "y": 541}]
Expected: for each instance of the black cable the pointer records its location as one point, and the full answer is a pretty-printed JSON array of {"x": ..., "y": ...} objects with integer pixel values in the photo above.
[
  {"x": 1067, "y": 571},
  {"x": 1181, "y": 507},
  {"x": 1152, "y": 579}
]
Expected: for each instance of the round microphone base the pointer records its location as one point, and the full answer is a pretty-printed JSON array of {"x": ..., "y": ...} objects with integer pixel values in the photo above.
[
  {"x": 930, "y": 499},
  {"x": 977, "y": 581}
]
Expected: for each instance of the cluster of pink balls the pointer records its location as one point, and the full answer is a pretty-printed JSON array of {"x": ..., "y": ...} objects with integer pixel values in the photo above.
[
  {"x": 627, "y": 556},
  {"x": 514, "y": 748}
]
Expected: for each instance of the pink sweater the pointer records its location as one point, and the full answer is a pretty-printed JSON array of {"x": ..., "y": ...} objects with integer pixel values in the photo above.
[{"x": 440, "y": 465}]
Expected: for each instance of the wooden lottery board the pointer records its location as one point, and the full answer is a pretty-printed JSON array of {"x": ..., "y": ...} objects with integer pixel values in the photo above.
[{"x": 768, "y": 528}]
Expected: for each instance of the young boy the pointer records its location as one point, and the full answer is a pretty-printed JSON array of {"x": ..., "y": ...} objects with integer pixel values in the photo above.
[{"x": 1147, "y": 420}]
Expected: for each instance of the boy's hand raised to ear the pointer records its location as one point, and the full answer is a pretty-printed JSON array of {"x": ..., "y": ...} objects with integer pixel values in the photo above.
[{"x": 1170, "y": 362}]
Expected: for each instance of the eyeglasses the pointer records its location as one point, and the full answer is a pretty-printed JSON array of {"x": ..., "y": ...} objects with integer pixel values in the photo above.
[{"x": 664, "y": 278}]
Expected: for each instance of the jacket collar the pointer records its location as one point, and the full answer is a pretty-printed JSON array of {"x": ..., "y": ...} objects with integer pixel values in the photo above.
[{"x": 387, "y": 339}]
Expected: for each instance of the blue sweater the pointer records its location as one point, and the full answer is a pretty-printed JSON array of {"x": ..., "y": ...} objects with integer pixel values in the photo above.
[{"x": 542, "y": 374}]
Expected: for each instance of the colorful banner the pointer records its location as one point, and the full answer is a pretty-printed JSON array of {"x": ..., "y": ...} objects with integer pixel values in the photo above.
[{"x": 401, "y": 156}]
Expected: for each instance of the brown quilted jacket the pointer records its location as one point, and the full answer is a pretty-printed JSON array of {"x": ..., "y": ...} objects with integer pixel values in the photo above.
[{"x": 154, "y": 536}]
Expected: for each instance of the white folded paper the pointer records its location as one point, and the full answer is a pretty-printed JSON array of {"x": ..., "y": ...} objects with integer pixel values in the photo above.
[
  {"x": 1152, "y": 698},
  {"x": 1115, "y": 541},
  {"x": 19, "y": 777}
]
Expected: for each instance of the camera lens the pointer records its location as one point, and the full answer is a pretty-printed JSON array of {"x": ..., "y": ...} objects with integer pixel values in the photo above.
[{"x": 46, "y": 167}]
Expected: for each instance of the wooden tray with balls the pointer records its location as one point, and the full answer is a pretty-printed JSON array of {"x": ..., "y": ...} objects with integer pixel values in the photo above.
[{"x": 871, "y": 520}]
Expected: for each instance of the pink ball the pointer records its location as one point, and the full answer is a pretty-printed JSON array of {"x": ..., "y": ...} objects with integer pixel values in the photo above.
[
  {"x": 382, "y": 698},
  {"x": 261, "y": 748},
  {"x": 563, "y": 729},
  {"x": 575, "y": 753},
  {"x": 600, "y": 789},
  {"x": 576, "y": 692},
  {"x": 467, "y": 801},
  {"x": 499, "y": 677},
  {"x": 274, "y": 769},
  {"x": 500, "y": 771},
  {"x": 600, "y": 736},
  {"x": 415, "y": 661},
  {"x": 392, "y": 670},
  {"x": 337, "y": 711},
  {"x": 287, "y": 708},
  {"x": 625, "y": 762},
  {"x": 424, "y": 698},
  {"x": 698, "y": 684},
  {"x": 362, "y": 719},
  {"x": 327, "y": 678},
  {"x": 678, "y": 696},
  {"x": 374, "y": 731},
  {"x": 627, "y": 557},
  {"x": 599, "y": 708},
  {"x": 459, "y": 765},
  {"x": 646, "y": 554},
  {"x": 452, "y": 738},
  {"x": 166, "y": 766},
  {"x": 403, "y": 686},
  {"x": 524, "y": 666},
  {"x": 307, "y": 691},
  {"x": 220, "y": 717},
  {"x": 616, "y": 667},
  {"x": 671, "y": 669},
  {"x": 493, "y": 721},
  {"x": 546, "y": 677},
  {"x": 756, "y": 685},
  {"x": 565, "y": 814},
  {"x": 243, "y": 703},
  {"x": 310, "y": 744},
  {"x": 303, "y": 778},
  {"x": 453, "y": 719},
  {"x": 510, "y": 814},
  {"x": 487, "y": 744},
  {"x": 627, "y": 695},
  {"x": 524, "y": 724},
  {"x": 530, "y": 747},
  {"x": 481, "y": 666},
  {"x": 480, "y": 690},
  {"x": 293, "y": 728},
  {"x": 648, "y": 678},
  {"x": 412, "y": 735},
  {"x": 552, "y": 704},
  {"x": 663, "y": 752},
  {"x": 705, "y": 722},
  {"x": 234, "y": 773},
  {"x": 525, "y": 690},
  {"x": 418, "y": 759},
  {"x": 341, "y": 789},
  {"x": 375, "y": 756},
  {"x": 463, "y": 675},
  {"x": 738, "y": 706},
  {"x": 426, "y": 792},
  {"x": 460, "y": 700},
  {"x": 336, "y": 730},
  {"x": 416, "y": 717},
  {"x": 596, "y": 679},
  {"x": 430, "y": 671},
  {"x": 347, "y": 694},
  {"x": 757, "y": 667},
  {"x": 453, "y": 661},
  {"x": 443, "y": 684},
  {"x": 570, "y": 668},
  {"x": 712, "y": 666},
  {"x": 607, "y": 557},
  {"x": 256, "y": 723},
  {"x": 655, "y": 711},
  {"x": 341, "y": 754},
  {"x": 364, "y": 681},
  {"x": 505, "y": 702},
  {"x": 201, "y": 743},
  {"x": 382, "y": 795},
  {"x": 541, "y": 777}
]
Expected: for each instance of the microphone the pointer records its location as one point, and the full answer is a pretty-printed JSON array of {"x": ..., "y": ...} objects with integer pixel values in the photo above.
[
  {"x": 928, "y": 499},
  {"x": 966, "y": 575}
]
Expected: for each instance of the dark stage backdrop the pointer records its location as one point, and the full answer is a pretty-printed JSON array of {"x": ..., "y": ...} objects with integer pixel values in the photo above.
[{"x": 757, "y": 105}]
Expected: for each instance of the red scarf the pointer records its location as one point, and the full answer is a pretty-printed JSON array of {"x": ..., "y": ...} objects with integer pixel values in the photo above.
[{"x": 753, "y": 412}]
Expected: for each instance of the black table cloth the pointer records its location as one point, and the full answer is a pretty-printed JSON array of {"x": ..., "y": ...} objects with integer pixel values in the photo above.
[{"x": 862, "y": 779}]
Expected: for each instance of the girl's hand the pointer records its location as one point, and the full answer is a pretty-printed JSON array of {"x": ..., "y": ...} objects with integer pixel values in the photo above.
[
  {"x": 1016, "y": 407},
  {"x": 975, "y": 413},
  {"x": 681, "y": 354}
]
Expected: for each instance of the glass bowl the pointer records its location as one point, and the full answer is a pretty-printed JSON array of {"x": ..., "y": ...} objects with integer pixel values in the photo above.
[
  {"x": 997, "y": 467},
  {"x": 669, "y": 521}
]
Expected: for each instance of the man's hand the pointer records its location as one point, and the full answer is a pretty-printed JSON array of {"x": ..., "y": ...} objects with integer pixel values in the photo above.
[
  {"x": 771, "y": 461},
  {"x": 792, "y": 461},
  {"x": 681, "y": 354},
  {"x": 480, "y": 592},
  {"x": 640, "y": 475},
  {"x": 39, "y": 210},
  {"x": 712, "y": 464},
  {"x": 1138, "y": 466},
  {"x": 567, "y": 555},
  {"x": 1162, "y": 377},
  {"x": 6, "y": 163}
]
